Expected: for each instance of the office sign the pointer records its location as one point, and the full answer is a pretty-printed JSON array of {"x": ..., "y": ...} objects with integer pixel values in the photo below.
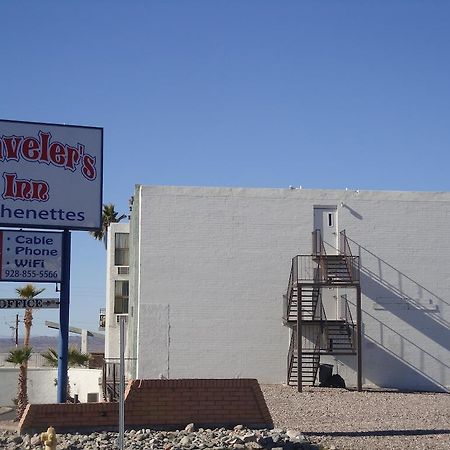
[
  {"x": 30, "y": 256},
  {"x": 50, "y": 175},
  {"x": 19, "y": 303}
]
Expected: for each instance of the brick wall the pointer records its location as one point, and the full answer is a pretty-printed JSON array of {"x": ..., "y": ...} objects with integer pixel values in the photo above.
[{"x": 167, "y": 404}]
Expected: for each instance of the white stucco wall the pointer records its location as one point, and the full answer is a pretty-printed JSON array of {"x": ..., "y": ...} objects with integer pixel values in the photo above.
[
  {"x": 41, "y": 384},
  {"x": 214, "y": 263},
  {"x": 112, "y": 326}
]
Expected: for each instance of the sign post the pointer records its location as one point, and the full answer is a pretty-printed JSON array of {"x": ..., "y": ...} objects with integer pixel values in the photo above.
[
  {"x": 122, "y": 382},
  {"x": 63, "y": 347}
]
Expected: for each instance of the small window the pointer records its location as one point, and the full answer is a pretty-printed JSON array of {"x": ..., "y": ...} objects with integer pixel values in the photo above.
[
  {"x": 121, "y": 293},
  {"x": 121, "y": 249},
  {"x": 330, "y": 219}
]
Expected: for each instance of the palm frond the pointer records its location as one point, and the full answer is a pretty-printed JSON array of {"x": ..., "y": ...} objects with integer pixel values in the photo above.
[
  {"x": 19, "y": 355},
  {"x": 51, "y": 357},
  {"x": 75, "y": 358},
  {"x": 109, "y": 216},
  {"x": 29, "y": 291}
]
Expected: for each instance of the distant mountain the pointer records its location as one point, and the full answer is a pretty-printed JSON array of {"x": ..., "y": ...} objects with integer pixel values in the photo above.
[{"x": 42, "y": 343}]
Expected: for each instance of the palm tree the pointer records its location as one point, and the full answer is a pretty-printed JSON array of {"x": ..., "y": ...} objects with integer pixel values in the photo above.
[
  {"x": 109, "y": 216},
  {"x": 20, "y": 356},
  {"x": 75, "y": 358},
  {"x": 28, "y": 292}
]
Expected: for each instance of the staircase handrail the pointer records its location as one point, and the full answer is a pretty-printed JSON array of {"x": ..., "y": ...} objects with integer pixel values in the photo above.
[
  {"x": 317, "y": 345},
  {"x": 323, "y": 335},
  {"x": 290, "y": 358},
  {"x": 349, "y": 318},
  {"x": 290, "y": 288},
  {"x": 316, "y": 362},
  {"x": 344, "y": 246},
  {"x": 319, "y": 252},
  {"x": 351, "y": 261},
  {"x": 348, "y": 314},
  {"x": 304, "y": 269}
]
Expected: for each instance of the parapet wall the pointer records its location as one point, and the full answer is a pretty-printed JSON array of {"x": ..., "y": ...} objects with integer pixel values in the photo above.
[{"x": 163, "y": 404}]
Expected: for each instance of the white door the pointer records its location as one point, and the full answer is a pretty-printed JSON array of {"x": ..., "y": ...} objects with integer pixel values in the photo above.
[{"x": 325, "y": 220}]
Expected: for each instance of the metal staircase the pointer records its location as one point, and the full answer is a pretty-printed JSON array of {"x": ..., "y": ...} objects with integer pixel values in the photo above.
[
  {"x": 304, "y": 310},
  {"x": 340, "y": 337},
  {"x": 337, "y": 270},
  {"x": 309, "y": 296},
  {"x": 310, "y": 367}
]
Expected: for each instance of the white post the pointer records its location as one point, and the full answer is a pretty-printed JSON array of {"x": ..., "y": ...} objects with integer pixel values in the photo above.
[
  {"x": 122, "y": 382},
  {"x": 84, "y": 341}
]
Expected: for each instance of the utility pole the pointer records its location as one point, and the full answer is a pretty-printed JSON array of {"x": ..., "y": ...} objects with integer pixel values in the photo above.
[{"x": 17, "y": 330}]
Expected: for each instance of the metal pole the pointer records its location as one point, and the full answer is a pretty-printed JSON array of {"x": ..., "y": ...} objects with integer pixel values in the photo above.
[
  {"x": 63, "y": 345},
  {"x": 17, "y": 330},
  {"x": 359, "y": 337},
  {"x": 299, "y": 337},
  {"x": 122, "y": 382}
]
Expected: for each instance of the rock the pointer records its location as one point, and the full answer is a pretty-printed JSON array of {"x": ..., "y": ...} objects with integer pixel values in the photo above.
[
  {"x": 295, "y": 436},
  {"x": 190, "y": 427},
  {"x": 278, "y": 431},
  {"x": 238, "y": 427},
  {"x": 185, "y": 441},
  {"x": 17, "y": 439},
  {"x": 249, "y": 437},
  {"x": 146, "y": 439},
  {"x": 253, "y": 445},
  {"x": 275, "y": 438}
]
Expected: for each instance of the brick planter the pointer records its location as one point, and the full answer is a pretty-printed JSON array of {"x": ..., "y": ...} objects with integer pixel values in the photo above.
[{"x": 160, "y": 404}]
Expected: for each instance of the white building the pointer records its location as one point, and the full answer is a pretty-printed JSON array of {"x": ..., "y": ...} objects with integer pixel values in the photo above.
[
  {"x": 117, "y": 285},
  {"x": 208, "y": 268}
]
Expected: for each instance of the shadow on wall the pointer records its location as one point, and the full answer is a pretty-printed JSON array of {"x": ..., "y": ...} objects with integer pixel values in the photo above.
[
  {"x": 404, "y": 363},
  {"x": 407, "y": 310},
  {"x": 404, "y": 287},
  {"x": 418, "y": 308},
  {"x": 353, "y": 212}
]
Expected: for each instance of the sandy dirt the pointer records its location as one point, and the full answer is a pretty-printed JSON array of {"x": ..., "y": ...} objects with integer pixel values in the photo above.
[{"x": 367, "y": 420}]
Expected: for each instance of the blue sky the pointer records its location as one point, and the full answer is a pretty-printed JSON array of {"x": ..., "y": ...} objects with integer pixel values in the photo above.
[{"x": 328, "y": 94}]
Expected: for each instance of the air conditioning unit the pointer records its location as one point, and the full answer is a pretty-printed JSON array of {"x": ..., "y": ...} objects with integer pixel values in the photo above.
[
  {"x": 121, "y": 315},
  {"x": 123, "y": 270},
  {"x": 92, "y": 397}
]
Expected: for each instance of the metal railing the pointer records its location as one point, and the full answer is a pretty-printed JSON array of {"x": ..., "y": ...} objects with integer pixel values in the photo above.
[
  {"x": 292, "y": 353},
  {"x": 349, "y": 321},
  {"x": 351, "y": 261},
  {"x": 304, "y": 269},
  {"x": 320, "y": 255},
  {"x": 111, "y": 378},
  {"x": 110, "y": 381},
  {"x": 290, "y": 358}
]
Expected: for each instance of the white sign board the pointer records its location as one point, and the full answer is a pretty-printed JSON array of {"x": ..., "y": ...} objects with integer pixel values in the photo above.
[
  {"x": 15, "y": 303},
  {"x": 30, "y": 256},
  {"x": 51, "y": 175}
]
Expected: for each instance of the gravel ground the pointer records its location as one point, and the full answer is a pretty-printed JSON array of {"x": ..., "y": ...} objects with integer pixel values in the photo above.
[{"x": 362, "y": 420}]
